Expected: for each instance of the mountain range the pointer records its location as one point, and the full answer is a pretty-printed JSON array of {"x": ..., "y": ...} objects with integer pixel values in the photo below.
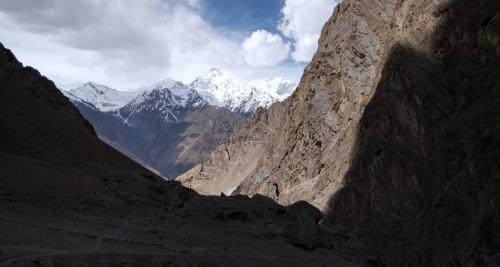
[
  {"x": 69, "y": 199},
  {"x": 386, "y": 154},
  {"x": 169, "y": 126},
  {"x": 216, "y": 88}
]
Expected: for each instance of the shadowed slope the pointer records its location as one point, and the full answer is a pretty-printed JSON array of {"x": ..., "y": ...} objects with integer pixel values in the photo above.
[
  {"x": 38, "y": 123},
  {"x": 68, "y": 199},
  {"x": 423, "y": 188},
  {"x": 396, "y": 121}
]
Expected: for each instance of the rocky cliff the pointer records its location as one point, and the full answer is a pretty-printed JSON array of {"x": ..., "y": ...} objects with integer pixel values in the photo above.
[
  {"x": 300, "y": 149},
  {"x": 393, "y": 131}
]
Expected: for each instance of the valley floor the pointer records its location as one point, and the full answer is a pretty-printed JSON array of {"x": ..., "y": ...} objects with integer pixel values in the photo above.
[{"x": 76, "y": 231}]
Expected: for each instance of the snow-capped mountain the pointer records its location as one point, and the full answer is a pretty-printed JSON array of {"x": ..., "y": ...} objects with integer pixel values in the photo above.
[
  {"x": 100, "y": 96},
  {"x": 215, "y": 87},
  {"x": 243, "y": 97},
  {"x": 170, "y": 126},
  {"x": 166, "y": 99},
  {"x": 167, "y": 126}
]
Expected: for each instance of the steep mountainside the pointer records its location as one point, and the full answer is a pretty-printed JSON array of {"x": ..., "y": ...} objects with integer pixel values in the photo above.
[
  {"x": 68, "y": 199},
  {"x": 179, "y": 132},
  {"x": 300, "y": 149},
  {"x": 394, "y": 130},
  {"x": 171, "y": 127},
  {"x": 168, "y": 127}
]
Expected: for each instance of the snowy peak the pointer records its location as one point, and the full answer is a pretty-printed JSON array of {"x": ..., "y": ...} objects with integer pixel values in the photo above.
[
  {"x": 178, "y": 91},
  {"x": 166, "y": 99},
  {"x": 167, "y": 83},
  {"x": 100, "y": 96},
  {"x": 214, "y": 88},
  {"x": 244, "y": 97},
  {"x": 169, "y": 91}
]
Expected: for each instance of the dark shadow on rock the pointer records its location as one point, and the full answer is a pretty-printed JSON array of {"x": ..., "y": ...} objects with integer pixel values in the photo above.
[{"x": 424, "y": 185}]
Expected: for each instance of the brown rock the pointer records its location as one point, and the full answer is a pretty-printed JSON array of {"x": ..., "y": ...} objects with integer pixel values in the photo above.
[{"x": 394, "y": 131}]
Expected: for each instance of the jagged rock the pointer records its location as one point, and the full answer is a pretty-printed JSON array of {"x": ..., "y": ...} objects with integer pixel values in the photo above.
[
  {"x": 393, "y": 132},
  {"x": 301, "y": 147}
]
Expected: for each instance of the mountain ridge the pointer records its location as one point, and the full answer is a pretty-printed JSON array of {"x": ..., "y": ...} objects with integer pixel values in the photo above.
[
  {"x": 217, "y": 88},
  {"x": 141, "y": 123},
  {"x": 68, "y": 199},
  {"x": 166, "y": 127}
]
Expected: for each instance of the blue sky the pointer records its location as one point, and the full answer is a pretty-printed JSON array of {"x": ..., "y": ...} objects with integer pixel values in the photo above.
[
  {"x": 126, "y": 44},
  {"x": 243, "y": 16}
]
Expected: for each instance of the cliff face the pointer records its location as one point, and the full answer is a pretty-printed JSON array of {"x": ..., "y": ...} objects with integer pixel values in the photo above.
[
  {"x": 424, "y": 177},
  {"x": 300, "y": 149},
  {"x": 393, "y": 131}
]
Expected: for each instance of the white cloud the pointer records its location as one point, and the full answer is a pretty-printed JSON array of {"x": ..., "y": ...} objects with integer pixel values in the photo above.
[
  {"x": 193, "y": 3},
  {"x": 263, "y": 48},
  {"x": 128, "y": 43},
  {"x": 302, "y": 22}
]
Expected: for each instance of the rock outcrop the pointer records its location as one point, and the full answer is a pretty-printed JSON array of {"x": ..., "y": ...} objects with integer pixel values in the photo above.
[
  {"x": 423, "y": 185},
  {"x": 300, "y": 149},
  {"x": 393, "y": 131}
]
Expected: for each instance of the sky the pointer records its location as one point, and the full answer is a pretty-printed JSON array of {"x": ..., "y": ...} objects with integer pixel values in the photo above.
[{"x": 127, "y": 44}]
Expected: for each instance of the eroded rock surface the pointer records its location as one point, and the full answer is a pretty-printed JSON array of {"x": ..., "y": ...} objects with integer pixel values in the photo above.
[
  {"x": 393, "y": 131},
  {"x": 301, "y": 148}
]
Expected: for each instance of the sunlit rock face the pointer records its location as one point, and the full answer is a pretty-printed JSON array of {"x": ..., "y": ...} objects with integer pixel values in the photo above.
[
  {"x": 300, "y": 149},
  {"x": 393, "y": 131}
]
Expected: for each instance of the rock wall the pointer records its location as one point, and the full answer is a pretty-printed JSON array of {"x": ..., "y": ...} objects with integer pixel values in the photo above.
[
  {"x": 393, "y": 132},
  {"x": 301, "y": 149},
  {"x": 423, "y": 185}
]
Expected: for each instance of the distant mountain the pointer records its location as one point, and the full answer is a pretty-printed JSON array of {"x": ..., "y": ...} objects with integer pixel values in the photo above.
[
  {"x": 170, "y": 127},
  {"x": 165, "y": 100},
  {"x": 216, "y": 88},
  {"x": 100, "y": 96},
  {"x": 243, "y": 97},
  {"x": 68, "y": 199}
]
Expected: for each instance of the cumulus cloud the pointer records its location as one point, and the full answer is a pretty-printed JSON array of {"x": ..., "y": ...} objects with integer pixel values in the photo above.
[
  {"x": 115, "y": 42},
  {"x": 124, "y": 43},
  {"x": 263, "y": 48},
  {"x": 129, "y": 43},
  {"x": 302, "y": 22}
]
